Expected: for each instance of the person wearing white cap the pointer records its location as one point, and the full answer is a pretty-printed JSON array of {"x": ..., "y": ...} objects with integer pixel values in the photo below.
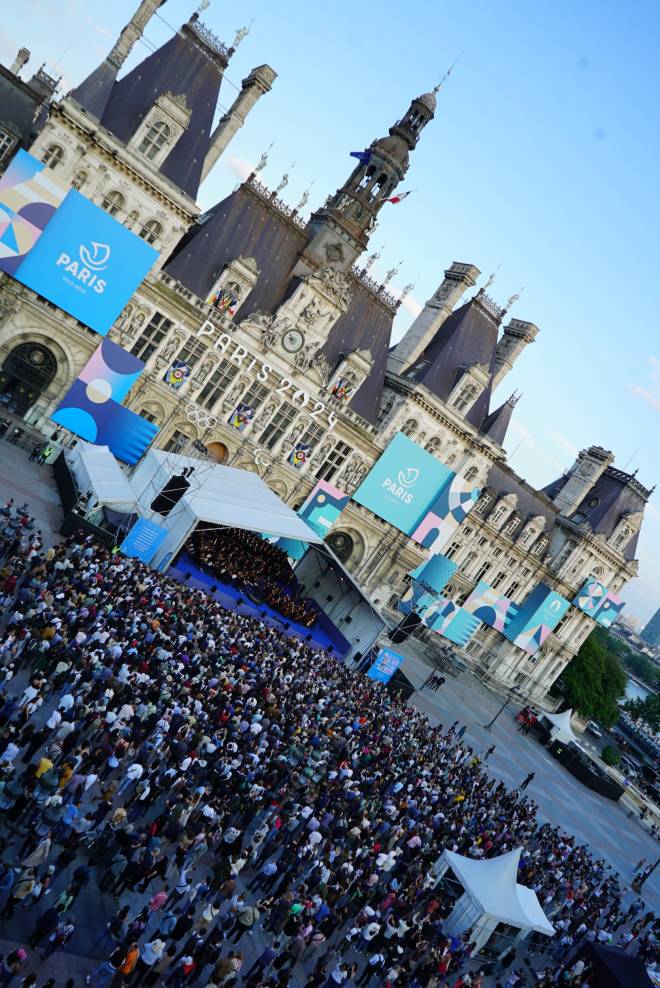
[{"x": 151, "y": 953}]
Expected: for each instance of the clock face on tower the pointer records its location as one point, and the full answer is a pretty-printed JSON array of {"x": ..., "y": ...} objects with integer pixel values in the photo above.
[{"x": 292, "y": 340}]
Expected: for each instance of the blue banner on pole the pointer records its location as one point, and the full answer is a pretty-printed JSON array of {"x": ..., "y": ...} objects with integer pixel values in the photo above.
[
  {"x": 143, "y": 540},
  {"x": 386, "y": 664}
]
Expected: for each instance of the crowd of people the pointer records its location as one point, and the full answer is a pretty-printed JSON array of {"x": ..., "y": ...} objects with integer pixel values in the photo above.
[
  {"x": 255, "y": 813},
  {"x": 255, "y": 566}
]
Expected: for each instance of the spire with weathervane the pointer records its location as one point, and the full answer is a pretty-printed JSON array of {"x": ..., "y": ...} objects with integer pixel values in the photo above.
[{"x": 339, "y": 231}]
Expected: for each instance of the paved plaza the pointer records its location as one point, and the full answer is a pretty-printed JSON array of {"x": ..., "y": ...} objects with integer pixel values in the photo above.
[{"x": 602, "y": 825}]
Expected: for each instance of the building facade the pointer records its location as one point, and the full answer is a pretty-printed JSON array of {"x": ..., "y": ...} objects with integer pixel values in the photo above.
[{"x": 281, "y": 314}]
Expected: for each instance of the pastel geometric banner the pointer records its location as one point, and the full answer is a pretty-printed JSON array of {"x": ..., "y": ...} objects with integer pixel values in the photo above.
[
  {"x": 92, "y": 407},
  {"x": 491, "y": 607},
  {"x": 86, "y": 263},
  {"x": 386, "y": 664},
  {"x": 416, "y": 598},
  {"x": 537, "y": 617},
  {"x": 435, "y": 573},
  {"x": 323, "y": 507},
  {"x": 452, "y": 622},
  {"x": 451, "y": 507},
  {"x": 29, "y": 195},
  {"x": 598, "y": 602}
]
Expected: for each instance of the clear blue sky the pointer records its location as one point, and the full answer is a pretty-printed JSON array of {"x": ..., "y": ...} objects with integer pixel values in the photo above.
[{"x": 543, "y": 159}]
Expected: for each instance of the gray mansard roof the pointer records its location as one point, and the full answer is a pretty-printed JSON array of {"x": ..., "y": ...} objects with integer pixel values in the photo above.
[
  {"x": 503, "y": 480},
  {"x": 468, "y": 336},
  {"x": 246, "y": 224},
  {"x": 184, "y": 67}
]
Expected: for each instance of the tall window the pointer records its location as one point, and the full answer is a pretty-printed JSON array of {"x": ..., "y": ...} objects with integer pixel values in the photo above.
[
  {"x": 54, "y": 156},
  {"x": 465, "y": 397},
  {"x": 312, "y": 435},
  {"x": 113, "y": 203},
  {"x": 484, "y": 503},
  {"x": 471, "y": 473},
  {"x": 334, "y": 460},
  {"x": 151, "y": 231},
  {"x": 151, "y": 336},
  {"x": 498, "y": 580},
  {"x": 156, "y": 138},
  {"x": 481, "y": 572},
  {"x": 513, "y": 589},
  {"x": 278, "y": 425},
  {"x": 7, "y": 142},
  {"x": 176, "y": 442},
  {"x": 149, "y": 416},
  {"x": 191, "y": 352},
  {"x": 452, "y": 550},
  {"x": 217, "y": 384},
  {"x": 433, "y": 446},
  {"x": 255, "y": 395}
]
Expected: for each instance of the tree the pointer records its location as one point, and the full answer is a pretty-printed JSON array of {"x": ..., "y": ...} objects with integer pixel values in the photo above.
[
  {"x": 594, "y": 681},
  {"x": 610, "y": 755},
  {"x": 647, "y": 710}
]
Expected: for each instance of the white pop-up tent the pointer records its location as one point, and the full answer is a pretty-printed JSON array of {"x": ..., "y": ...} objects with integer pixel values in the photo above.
[
  {"x": 214, "y": 495},
  {"x": 559, "y": 726},
  {"x": 96, "y": 471},
  {"x": 491, "y": 898}
]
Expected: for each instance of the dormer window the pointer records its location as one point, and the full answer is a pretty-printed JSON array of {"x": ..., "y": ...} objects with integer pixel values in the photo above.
[
  {"x": 113, "y": 202},
  {"x": 622, "y": 538},
  {"x": 53, "y": 157},
  {"x": 151, "y": 231},
  {"x": 471, "y": 474},
  {"x": 157, "y": 137},
  {"x": 465, "y": 397}
]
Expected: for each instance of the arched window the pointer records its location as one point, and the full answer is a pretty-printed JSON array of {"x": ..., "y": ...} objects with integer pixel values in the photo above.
[
  {"x": 79, "y": 180},
  {"x": 151, "y": 231},
  {"x": 113, "y": 202},
  {"x": 409, "y": 428},
  {"x": 54, "y": 156},
  {"x": 465, "y": 397},
  {"x": 471, "y": 473},
  {"x": 157, "y": 137},
  {"x": 434, "y": 445}
]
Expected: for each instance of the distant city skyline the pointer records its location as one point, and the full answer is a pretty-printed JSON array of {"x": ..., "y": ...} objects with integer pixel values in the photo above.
[{"x": 540, "y": 165}]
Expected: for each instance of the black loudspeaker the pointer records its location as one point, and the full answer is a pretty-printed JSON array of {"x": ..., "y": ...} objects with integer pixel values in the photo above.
[
  {"x": 405, "y": 628},
  {"x": 357, "y": 657},
  {"x": 348, "y": 619},
  {"x": 170, "y": 495},
  {"x": 187, "y": 576},
  {"x": 329, "y": 598}
]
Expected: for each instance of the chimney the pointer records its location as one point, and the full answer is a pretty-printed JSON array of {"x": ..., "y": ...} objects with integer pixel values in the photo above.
[
  {"x": 515, "y": 337},
  {"x": 256, "y": 85},
  {"x": 133, "y": 30},
  {"x": 458, "y": 278},
  {"x": 587, "y": 469},
  {"x": 22, "y": 58}
]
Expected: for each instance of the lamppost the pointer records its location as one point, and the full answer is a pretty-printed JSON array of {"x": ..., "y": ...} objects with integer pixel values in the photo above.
[{"x": 510, "y": 695}]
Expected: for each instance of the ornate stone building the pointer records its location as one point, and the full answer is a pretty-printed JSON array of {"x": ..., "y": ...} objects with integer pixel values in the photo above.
[{"x": 273, "y": 311}]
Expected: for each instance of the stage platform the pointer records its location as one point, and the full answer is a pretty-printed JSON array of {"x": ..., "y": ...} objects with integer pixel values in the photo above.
[{"x": 187, "y": 571}]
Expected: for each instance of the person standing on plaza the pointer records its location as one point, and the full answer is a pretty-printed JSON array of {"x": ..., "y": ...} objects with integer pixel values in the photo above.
[{"x": 527, "y": 780}]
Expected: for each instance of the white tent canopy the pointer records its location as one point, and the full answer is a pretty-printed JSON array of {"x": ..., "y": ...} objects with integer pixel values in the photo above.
[
  {"x": 561, "y": 729},
  {"x": 217, "y": 495},
  {"x": 95, "y": 469},
  {"x": 491, "y": 886}
]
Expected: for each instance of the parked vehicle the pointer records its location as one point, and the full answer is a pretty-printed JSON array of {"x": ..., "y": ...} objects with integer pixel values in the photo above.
[
  {"x": 594, "y": 729},
  {"x": 631, "y": 767}
]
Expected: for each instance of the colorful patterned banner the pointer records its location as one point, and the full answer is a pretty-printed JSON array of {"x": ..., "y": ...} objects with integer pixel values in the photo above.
[
  {"x": 491, "y": 607},
  {"x": 177, "y": 374},
  {"x": 452, "y": 622},
  {"x": 416, "y": 598},
  {"x": 341, "y": 389},
  {"x": 452, "y": 506},
  {"x": 299, "y": 455},
  {"x": 241, "y": 417}
]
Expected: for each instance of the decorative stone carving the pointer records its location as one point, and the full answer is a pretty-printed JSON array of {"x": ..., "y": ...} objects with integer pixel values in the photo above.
[
  {"x": 334, "y": 253},
  {"x": 264, "y": 323},
  {"x": 334, "y": 284}
]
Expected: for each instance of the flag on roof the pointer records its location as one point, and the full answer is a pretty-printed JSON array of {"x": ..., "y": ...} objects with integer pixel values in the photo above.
[
  {"x": 399, "y": 198},
  {"x": 362, "y": 156}
]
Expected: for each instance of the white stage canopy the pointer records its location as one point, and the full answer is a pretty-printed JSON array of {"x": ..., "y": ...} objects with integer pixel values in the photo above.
[
  {"x": 493, "y": 884},
  {"x": 95, "y": 469},
  {"x": 217, "y": 495},
  {"x": 561, "y": 729}
]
